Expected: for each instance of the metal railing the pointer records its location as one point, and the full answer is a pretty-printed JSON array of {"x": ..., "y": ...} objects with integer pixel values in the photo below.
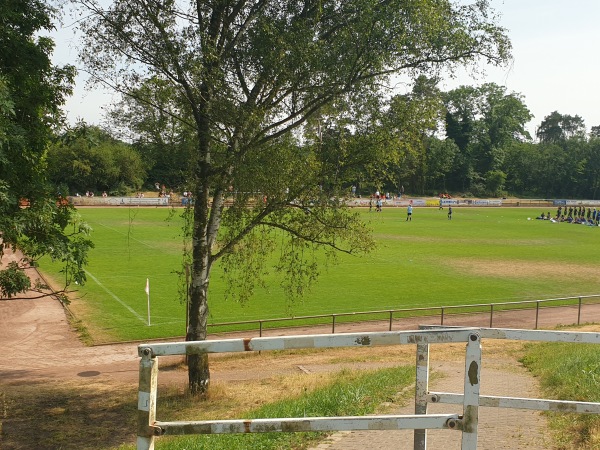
[
  {"x": 442, "y": 312},
  {"x": 467, "y": 422}
]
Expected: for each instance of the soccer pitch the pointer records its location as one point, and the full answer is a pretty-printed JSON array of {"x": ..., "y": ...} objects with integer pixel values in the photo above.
[{"x": 482, "y": 255}]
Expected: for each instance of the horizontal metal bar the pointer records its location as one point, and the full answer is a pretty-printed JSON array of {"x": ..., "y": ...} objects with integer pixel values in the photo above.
[
  {"x": 435, "y": 335},
  {"x": 400, "y": 310},
  {"x": 519, "y": 403},
  {"x": 306, "y": 341},
  {"x": 540, "y": 335},
  {"x": 579, "y": 337},
  {"x": 288, "y": 425}
]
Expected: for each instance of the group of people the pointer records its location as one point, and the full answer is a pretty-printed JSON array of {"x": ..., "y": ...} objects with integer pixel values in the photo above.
[
  {"x": 409, "y": 209},
  {"x": 574, "y": 214},
  {"x": 378, "y": 202}
]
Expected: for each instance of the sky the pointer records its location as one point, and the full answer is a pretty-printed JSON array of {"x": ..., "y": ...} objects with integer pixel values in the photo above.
[{"x": 555, "y": 64}]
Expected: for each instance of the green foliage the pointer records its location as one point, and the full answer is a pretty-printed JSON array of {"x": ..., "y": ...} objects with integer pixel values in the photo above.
[
  {"x": 155, "y": 118},
  {"x": 13, "y": 280},
  {"x": 32, "y": 216},
  {"x": 441, "y": 155},
  {"x": 484, "y": 122},
  {"x": 556, "y": 128},
  {"x": 495, "y": 180},
  {"x": 296, "y": 214},
  {"x": 87, "y": 158}
]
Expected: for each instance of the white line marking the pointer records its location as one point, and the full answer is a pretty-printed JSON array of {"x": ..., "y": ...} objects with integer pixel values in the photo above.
[{"x": 115, "y": 297}]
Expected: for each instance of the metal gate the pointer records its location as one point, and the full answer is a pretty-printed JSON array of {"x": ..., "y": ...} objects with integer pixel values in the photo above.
[{"x": 467, "y": 422}]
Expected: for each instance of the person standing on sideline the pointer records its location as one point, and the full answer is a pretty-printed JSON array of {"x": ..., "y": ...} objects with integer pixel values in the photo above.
[
  {"x": 409, "y": 213},
  {"x": 441, "y": 206},
  {"x": 449, "y": 212}
]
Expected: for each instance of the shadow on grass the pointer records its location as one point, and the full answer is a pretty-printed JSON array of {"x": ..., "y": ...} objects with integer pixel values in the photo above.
[{"x": 67, "y": 416}]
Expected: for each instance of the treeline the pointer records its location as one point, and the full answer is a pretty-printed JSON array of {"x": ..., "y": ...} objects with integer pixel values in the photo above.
[{"x": 469, "y": 141}]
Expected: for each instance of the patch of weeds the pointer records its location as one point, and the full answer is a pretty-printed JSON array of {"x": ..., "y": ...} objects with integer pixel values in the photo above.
[{"x": 568, "y": 371}]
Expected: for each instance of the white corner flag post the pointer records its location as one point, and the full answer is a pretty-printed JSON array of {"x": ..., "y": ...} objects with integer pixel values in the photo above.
[{"x": 148, "y": 295}]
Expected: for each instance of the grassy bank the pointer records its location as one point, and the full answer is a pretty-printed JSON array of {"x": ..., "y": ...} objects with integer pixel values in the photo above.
[{"x": 569, "y": 372}]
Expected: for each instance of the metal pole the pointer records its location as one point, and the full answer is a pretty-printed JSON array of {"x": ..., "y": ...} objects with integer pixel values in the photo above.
[
  {"x": 537, "y": 313},
  {"x": 333, "y": 324},
  {"x": 471, "y": 393},
  {"x": 442, "y": 321},
  {"x": 579, "y": 312},
  {"x": 391, "y": 318},
  {"x": 147, "y": 400},
  {"x": 421, "y": 391},
  {"x": 491, "y": 314}
]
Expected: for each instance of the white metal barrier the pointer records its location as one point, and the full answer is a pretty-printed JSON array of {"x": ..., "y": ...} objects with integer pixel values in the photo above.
[{"x": 467, "y": 422}]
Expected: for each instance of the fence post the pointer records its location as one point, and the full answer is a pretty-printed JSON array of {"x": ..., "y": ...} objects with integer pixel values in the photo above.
[
  {"x": 421, "y": 390},
  {"x": 260, "y": 328},
  {"x": 579, "y": 312},
  {"x": 491, "y": 315},
  {"x": 537, "y": 313},
  {"x": 333, "y": 324},
  {"x": 391, "y": 319},
  {"x": 147, "y": 400},
  {"x": 471, "y": 392},
  {"x": 442, "y": 321}
]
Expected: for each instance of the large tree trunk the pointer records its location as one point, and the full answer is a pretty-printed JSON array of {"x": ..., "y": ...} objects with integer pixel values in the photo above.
[
  {"x": 205, "y": 230},
  {"x": 202, "y": 239},
  {"x": 198, "y": 371}
]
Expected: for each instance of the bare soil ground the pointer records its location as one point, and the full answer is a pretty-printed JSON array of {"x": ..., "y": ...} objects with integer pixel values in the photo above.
[{"x": 56, "y": 393}]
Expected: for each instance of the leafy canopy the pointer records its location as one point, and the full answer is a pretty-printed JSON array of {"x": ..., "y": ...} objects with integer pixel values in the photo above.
[{"x": 31, "y": 92}]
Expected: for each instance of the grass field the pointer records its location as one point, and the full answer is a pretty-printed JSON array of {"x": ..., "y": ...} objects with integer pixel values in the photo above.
[
  {"x": 569, "y": 372},
  {"x": 482, "y": 255}
]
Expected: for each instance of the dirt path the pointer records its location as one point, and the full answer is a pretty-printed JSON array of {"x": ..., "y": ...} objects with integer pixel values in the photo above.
[{"x": 498, "y": 428}]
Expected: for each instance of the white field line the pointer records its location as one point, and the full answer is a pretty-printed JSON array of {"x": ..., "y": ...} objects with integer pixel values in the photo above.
[{"x": 115, "y": 297}]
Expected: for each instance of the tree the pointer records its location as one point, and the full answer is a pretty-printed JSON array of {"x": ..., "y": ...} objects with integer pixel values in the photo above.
[
  {"x": 556, "y": 128},
  {"x": 253, "y": 72},
  {"x": 484, "y": 122},
  {"x": 411, "y": 120},
  {"x": 440, "y": 159},
  {"x": 31, "y": 92},
  {"x": 494, "y": 181},
  {"x": 592, "y": 168},
  {"x": 523, "y": 168},
  {"x": 87, "y": 158},
  {"x": 460, "y": 120},
  {"x": 153, "y": 127}
]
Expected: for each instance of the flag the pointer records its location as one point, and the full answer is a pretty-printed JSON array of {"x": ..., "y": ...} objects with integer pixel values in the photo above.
[{"x": 147, "y": 286}]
